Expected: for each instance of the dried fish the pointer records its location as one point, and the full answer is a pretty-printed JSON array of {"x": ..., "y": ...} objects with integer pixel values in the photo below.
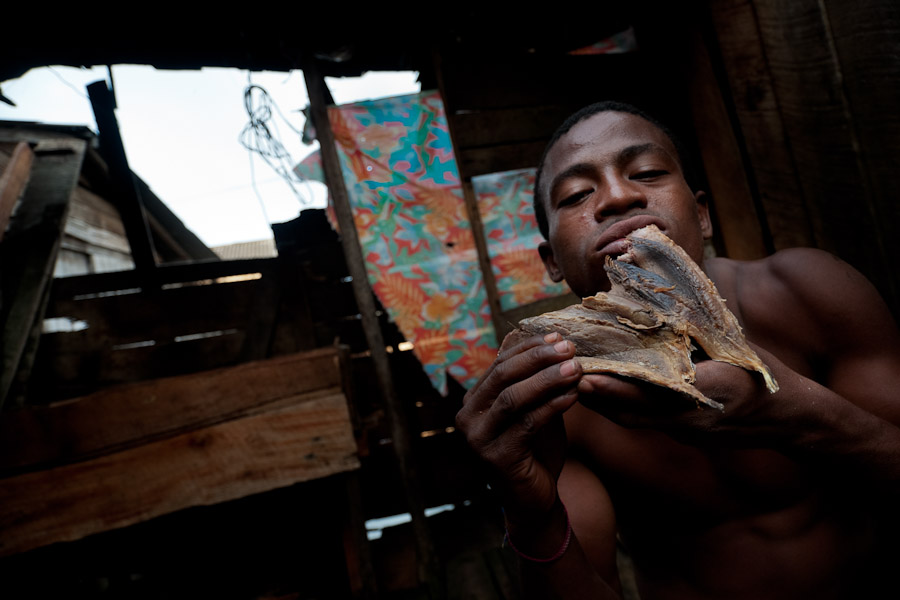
[{"x": 659, "y": 302}]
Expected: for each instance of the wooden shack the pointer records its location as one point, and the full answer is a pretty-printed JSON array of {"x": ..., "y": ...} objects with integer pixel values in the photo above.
[{"x": 225, "y": 428}]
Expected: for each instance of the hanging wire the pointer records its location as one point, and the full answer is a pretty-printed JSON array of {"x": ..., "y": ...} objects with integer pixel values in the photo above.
[{"x": 261, "y": 136}]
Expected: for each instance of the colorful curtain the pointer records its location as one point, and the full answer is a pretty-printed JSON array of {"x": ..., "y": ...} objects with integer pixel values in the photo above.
[
  {"x": 421, "y": 260},
  {"x": 507, "y": 214},
  {"x": 408, "y": 206}
]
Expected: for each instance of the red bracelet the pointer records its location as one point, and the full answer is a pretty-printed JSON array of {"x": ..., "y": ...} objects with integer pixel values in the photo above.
[{"x": 559, "y": 553}]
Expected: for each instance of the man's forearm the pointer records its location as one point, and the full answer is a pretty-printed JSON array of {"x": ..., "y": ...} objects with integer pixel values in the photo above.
[
  {"x": 830, "y": 430},
  {"x": 552, "y": 563}
]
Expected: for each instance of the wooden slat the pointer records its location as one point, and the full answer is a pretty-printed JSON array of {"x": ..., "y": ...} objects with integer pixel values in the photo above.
[
  {"x": 744, "y": 235},
  {"x": 63, "y": 369},
  {"x": 505, "y": 125},
  {"x": 123, "y": 185},
  {"x": 474, "y": 83},
  {"x": 758, "y": 113},
  {"x": 273, "y": 449},
  {"x": 503, "y": 157},
  {"x": 13, "y": 182},
  {"x": 822, "y": 128},
  {"x": 131, "y": 414},
  {"x": 69, "y": 287},
  {"x": 164, "y": 314},
  {"x": 29, "y": 250},
  {"x": 318, "y": 94},
  {"x": 866, "y": 42}
]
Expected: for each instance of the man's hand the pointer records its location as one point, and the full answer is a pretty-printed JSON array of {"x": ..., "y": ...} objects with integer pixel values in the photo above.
[
  {"x": 747, "y": 419},
  {"x": 512, "y": 418}
]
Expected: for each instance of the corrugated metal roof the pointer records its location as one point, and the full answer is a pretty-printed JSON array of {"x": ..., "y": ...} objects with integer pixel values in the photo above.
[{"x": 255, "y": 249}]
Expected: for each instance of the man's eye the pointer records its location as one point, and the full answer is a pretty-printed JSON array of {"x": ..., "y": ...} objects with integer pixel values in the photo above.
[
  {"x": 573, "y": 198},
  {"x": 649, "y": 174}
]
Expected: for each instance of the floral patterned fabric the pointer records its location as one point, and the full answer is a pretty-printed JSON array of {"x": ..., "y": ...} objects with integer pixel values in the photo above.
[
  {"x": 507, "y": 214},
  {"x": 408, "y": 206}
]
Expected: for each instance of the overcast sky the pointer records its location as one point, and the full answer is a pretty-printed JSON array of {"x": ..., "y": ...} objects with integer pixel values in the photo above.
[{"x": 181, "y": 131}]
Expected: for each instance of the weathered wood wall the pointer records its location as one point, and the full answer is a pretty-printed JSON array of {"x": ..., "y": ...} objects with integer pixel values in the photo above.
[
  {"x": 789, "y": 105},
  {"x": 815, "y": 86},
  {"x": 130, "y": 453}
]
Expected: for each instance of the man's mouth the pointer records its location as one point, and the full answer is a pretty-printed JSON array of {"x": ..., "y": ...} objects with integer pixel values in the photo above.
[{"x": 612, "y": 242}]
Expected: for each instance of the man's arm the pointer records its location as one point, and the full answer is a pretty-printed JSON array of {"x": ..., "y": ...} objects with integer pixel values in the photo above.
[
  {"x": 848, "y": 413},
  {"x": 512, "y": 418},
  {"x": 833, "y": 347}
]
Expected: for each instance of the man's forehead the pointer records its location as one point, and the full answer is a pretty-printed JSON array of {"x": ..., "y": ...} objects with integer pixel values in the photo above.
[
  {"x": 603, "y": 132},
  {"x": 610, "y": 131}
]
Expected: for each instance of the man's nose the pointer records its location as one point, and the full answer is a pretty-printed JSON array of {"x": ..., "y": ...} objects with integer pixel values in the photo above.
[{"x": 619, "y": 195}]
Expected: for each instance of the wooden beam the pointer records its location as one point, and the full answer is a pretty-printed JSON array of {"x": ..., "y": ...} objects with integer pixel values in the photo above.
[
  {"x": 489, "y": 127},
  {"x": 13, "y": 182},
  {"x": 759, "y": 113},
  {"x": 484, "y": 259},
  {"x": 29, "y": 251},
  {"x": 499, "y": 158},
  {"x": 402, "y": 442},
  {"x": 466, "y": 172},
  {"x": 298, "y": 442},
  {"x": 129, "y": 415},
  {"x": 127, "y": 198},
  {"x": 742, "y": 227},
  {"x": 97, "y": 283}
]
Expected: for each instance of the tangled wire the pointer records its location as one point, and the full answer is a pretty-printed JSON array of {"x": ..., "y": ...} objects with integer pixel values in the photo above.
[{"x": 260, "y": 135}]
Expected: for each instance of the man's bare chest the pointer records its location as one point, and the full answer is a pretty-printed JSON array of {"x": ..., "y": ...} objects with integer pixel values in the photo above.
[{"x": 649, "y": 471}]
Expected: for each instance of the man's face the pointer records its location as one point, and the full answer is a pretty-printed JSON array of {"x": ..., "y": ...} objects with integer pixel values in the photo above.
[{"x": 610, "y": 174}]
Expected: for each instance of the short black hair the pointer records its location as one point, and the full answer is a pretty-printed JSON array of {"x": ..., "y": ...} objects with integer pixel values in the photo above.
[{"x": 687, "y": 169}]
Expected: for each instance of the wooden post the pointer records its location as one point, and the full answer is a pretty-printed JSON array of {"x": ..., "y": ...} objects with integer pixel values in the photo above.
[
  {"x": 13, "y": 182},
  {"x": 29, "y": 251},
  {"x": 127, "y": 198},
  {"x": 426, "y": 564},
  {"x": 501, "y": 328}
]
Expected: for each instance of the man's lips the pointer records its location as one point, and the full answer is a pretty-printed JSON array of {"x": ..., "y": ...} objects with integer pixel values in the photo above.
[{"x": 612, "y": 241}]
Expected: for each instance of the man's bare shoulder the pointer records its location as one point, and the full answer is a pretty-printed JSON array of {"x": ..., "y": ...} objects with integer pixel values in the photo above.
[
  {"x": 812, "y": 282},
  {"x": 807, "y": 299}
]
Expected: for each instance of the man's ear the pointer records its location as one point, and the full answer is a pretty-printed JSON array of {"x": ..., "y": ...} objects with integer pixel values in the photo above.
[
  {"x": 703, "y": 214},
  {"x": 549, "y": 259}
]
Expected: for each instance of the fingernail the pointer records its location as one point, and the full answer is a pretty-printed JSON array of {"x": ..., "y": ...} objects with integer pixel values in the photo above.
[
  {"x": 561, "y": 347},
  {"x": 551, "y": 337},
  {"x": 567, "y": 368}
]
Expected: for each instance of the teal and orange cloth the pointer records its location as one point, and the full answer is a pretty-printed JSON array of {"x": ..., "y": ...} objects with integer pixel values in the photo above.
[{"x": 408, "y": 206}]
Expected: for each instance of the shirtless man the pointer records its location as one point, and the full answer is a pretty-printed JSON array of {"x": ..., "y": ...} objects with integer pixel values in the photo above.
[{"x": 781, "y": 495}]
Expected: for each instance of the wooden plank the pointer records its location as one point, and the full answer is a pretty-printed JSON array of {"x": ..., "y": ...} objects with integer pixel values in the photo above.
[
  {"x": 29, "y": 251},
  {"x": 496, "y": 159},
  {"x": 13, "y": 181},
  {"x": 822, "y": 127},
  {"x": 474, "y": 83},
  {"x": 743, "y": 234},
  {"x": 484, "y": 259},
  {"x": 166, "y": 316},
  {"x": 258, "y": 453},
  {"x": 757, "y": 109},
  {"x": 318, "y": 95},
  {"x": 100, "y": 283},
  {"x": 63, "y": 370},
  {"x": 122, "y": 181},
  {"x": 505, "y": 125},
  {"x": 866, "y": 42},
  {"x": 131, "y": 414}
]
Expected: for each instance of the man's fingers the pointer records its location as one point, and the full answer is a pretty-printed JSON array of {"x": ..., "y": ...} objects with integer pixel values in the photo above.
[
  {"x": 534, "y": 420},
  {"x": 514, "y": 343},
  {"x": 517, "y": 364},
  {"x": 522, "y": 398},
  {"x": 632, "y": 402}
]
